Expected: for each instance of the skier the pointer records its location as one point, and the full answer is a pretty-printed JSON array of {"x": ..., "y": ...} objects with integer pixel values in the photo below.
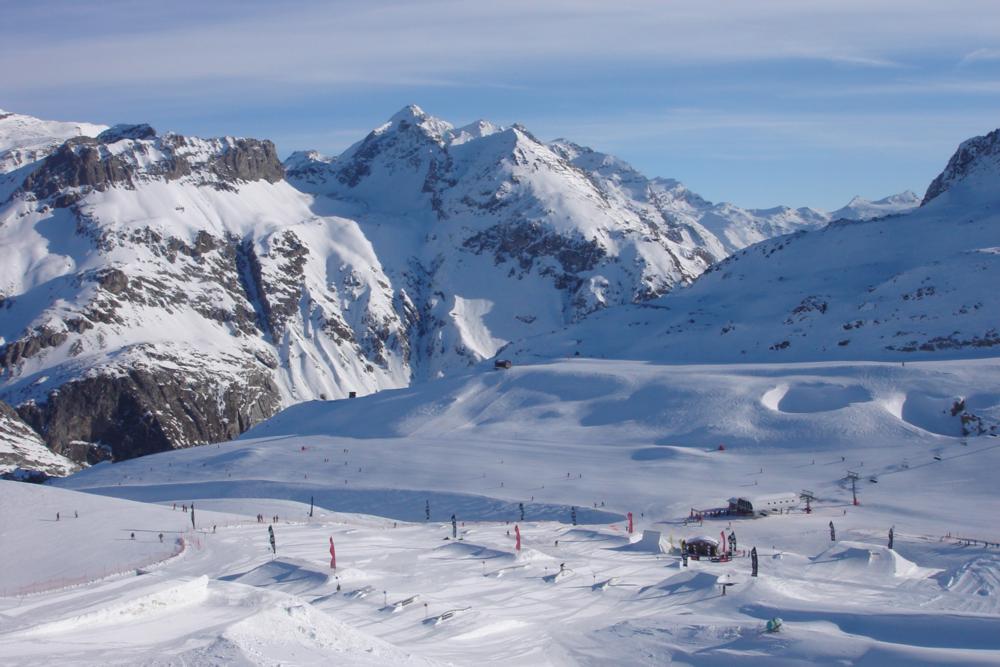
[
  {"x": 76, "y": 515},
  {"x": 132, "y": 536},
  {"x": 833, "y": 533},
  {"x": 57, "y": 516},
  {"x": 161, "y": 538}
]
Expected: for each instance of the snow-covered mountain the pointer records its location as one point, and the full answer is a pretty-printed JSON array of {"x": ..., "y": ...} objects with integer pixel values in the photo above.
[
  {"x": 160, "y": 291},
  {"x": 916, "y": 285},
  {"x": 860, "y": 208},
  {"x": 972, "y": 173},
  {"x": 24, "y": 140}
]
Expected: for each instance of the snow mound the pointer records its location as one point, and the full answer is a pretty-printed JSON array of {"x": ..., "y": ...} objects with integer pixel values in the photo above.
[
  {"x": 288, "y": 575},
  {"x": 820, "y": 397},
  {"x": 156, "y": 600},
  {"x": 932, "y": 413},
  {"x": 297, "y": 633},
  {"x": 859, "y": 561},
  {"x": 652, "y": 541},
  {"x": 976, "y": 583},
  {"x": 469, "y": 550},
  {"x": 689, "y": 581}
]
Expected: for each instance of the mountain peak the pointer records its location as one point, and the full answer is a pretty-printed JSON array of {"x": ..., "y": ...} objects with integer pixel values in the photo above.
[
  {"x": 974, "y": 168},
  {"x": 475, "y": 130},
  {"x": 411, "y": 113},
  {"x": 124, "y": 131},
  {"x": 413, "y": 116}
]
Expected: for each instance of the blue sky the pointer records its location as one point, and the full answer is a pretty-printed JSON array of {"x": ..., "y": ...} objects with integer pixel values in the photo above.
[{"x": 760, "y": 102}]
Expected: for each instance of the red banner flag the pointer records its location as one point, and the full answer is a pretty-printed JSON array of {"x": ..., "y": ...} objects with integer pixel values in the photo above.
[
  {"x": 517, "y": 534},
  {"x": 629, "y": 523},
  {"x": 333, "y": 556}
]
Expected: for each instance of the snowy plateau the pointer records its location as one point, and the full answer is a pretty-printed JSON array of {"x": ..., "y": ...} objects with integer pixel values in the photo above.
[{"x": 159, "y": 291}]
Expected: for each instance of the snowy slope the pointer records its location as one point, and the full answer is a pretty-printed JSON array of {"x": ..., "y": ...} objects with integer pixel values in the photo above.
[
  {"x": 915, "y": 285},
  {"x": 627, "y": 437},
  {"x": 26, "y": 139}
]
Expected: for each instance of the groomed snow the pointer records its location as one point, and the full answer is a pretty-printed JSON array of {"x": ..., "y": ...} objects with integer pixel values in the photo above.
[{"x": 624, "y": 436}]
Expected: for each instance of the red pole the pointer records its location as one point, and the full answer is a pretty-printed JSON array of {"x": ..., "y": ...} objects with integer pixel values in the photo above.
[
  {"x": 333, "y": 556},
  {"x": 629, "y": 523},
  {"x": 517, "y": 534}
]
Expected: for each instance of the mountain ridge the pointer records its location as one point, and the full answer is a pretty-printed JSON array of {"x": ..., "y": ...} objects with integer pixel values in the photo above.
[{"x": 162, "y": 291}]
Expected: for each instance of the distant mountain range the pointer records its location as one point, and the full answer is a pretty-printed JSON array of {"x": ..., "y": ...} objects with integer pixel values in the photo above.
[
  {"x": 920, "y": 285},
  {"x": 162, "y": 291}
]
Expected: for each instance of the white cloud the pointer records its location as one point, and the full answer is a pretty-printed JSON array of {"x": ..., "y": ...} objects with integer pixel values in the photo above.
[
  {"x": 980, "y": 55},
  {"x": 442, "y": 42}
]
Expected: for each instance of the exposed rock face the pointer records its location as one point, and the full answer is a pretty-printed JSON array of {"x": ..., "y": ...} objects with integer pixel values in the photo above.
[
  {"x": 21, "y": 447},
  {"x": 248, "y": 160},
  {"x": 976, "y": 164},
  {"x": 126, "y": 155},
  {"x": 147, "y": 410}
]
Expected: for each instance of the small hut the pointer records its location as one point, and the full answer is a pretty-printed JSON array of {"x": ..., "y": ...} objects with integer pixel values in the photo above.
[{"x": 702, "y": 546}]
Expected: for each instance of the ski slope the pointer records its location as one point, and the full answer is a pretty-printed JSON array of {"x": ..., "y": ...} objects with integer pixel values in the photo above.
[{"x": 624, "y": 436}]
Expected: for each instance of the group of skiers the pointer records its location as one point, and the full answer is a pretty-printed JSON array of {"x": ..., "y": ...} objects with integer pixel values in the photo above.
[{"x": 260, "y": 519}]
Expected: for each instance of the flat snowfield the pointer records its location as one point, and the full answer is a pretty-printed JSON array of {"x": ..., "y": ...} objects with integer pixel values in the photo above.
[{"x": 594, "y": 439}]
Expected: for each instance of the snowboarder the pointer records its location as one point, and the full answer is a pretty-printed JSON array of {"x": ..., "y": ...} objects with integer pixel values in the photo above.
[
  {"x": 132, "y": 536},
  {"x": 76, "y": 515},
  {"x": 270, "y": 532},
  {"x": 57, "y": 516},
  {"x": 454, "y": 527},
  {"x": 753, "y": 562},
  {"x": 891, "y": 533},
  {"x": 833, "y": 533}
]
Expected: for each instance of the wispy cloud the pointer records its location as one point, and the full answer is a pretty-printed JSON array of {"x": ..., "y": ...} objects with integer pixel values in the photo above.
[
  {"x": 980, "y": 55},
  {"x": 798, "y": 83},
  {"x": 432, "y": 43}
]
